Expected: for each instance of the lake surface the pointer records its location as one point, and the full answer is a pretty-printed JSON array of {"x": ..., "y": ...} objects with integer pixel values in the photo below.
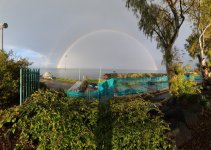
[{"x": 78, "y": 74}]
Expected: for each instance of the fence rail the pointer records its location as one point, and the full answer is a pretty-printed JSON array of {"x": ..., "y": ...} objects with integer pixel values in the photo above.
[{"x": 29, "y": 82}]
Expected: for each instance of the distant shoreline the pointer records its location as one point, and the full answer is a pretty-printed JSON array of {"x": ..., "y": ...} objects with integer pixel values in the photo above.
[{"x": 77, "y": 74}]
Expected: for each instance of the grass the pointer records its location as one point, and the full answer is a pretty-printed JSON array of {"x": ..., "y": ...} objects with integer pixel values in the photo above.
[
  {"x": 73, "y": 81},
  {"x": 64, "y": 80}
]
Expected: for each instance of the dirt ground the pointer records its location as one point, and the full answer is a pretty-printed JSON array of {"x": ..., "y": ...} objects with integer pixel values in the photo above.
[{"x": 202, "y": 135}]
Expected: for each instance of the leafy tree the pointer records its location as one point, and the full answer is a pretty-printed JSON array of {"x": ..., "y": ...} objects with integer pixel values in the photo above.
[
  {"x": 199, "y": 42},
  {"x": 9, "y": 76},
  {"x": 161, "y": 20}
]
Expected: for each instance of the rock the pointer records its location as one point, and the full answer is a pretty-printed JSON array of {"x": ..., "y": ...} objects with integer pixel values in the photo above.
[
  {"x": 47, "y": 75},
  {"x": 191, "y": 119},
  {"x": 196, "y": 108},
  {"x": 183, "y": 136},
  {"x": 173, "y": 113}
]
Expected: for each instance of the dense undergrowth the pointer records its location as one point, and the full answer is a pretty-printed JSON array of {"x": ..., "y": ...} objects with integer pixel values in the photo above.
[
  {"x": 50, "y": 120},
  {"x": 9, "y": 77}
]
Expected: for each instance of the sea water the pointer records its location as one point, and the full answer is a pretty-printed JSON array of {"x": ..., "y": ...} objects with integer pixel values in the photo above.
[{"x": 79, "y": 73}]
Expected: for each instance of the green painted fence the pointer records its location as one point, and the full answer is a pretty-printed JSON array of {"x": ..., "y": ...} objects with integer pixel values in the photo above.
[{"x": 29, "y": 82}]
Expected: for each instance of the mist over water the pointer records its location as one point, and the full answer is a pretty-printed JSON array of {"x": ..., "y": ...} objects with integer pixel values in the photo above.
[{"x": 78, "y": 73}]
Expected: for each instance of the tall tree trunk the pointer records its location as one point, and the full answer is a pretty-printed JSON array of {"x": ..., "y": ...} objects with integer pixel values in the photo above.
[
  {"x": 169, "y": 63},
  {"x": 204, "y": 70}
]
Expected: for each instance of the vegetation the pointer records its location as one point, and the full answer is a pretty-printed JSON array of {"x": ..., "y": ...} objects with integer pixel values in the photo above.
[
  {"x": 73, "y": 81},
  {"x": 49, "y": 120},
  {"x": 64, "y": 80},
  {"x": 181, "y": 86},
  {"x": 199, "y": 42},
  {"x": 136, "y": 75},
  {"x": 162, "y": 22},
  {"x": 9, "y": 76}
]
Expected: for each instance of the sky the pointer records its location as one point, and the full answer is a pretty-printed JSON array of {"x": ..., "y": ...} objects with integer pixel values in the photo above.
[{"x": 80, "y": 34}]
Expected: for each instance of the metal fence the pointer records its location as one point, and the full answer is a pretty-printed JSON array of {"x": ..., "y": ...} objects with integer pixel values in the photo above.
[{"x": 29, "y": 82}]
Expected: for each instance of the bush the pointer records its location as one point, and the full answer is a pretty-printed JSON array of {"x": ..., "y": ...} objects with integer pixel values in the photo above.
[
  {"x": 180, "y": 86},
  {"x": 134, "y": 126},
  {"x": 9, "y": 76},
  {"x": 50, "y": 120}
]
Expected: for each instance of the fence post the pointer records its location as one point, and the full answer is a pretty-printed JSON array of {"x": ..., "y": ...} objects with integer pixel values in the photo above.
[
  {"x": 21, "y": 86},
  {"x": 38, "y": 79},
  {"x": 26, "y": 82},
  {"x": 99, "y": 94},
  {"x": 29, "y": 82}
]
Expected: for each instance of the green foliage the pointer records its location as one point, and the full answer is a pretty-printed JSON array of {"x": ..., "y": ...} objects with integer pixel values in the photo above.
[
  {"x": 199, "y": 42},
  {"x": 49, "y": 120},
  {"x": 137, "y": 75},
  {"x": 192, "y": 45},
  {"x": 205, "y": 102},
  {"x": 135, "y": 128},
  {"x": 180, "y": 85},
  {"x": 9, "y": 76},
  {"x": 161, "y": 21}
]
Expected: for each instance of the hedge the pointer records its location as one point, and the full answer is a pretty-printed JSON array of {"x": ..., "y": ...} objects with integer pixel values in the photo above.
[{"x": 50, "y": 120}]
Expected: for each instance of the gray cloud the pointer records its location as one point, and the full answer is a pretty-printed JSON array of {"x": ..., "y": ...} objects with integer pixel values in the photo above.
[{"x": 49, "y": 27}]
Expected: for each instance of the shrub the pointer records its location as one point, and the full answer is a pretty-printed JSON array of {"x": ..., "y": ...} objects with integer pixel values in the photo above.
[
  {"x": 49, "y": 120},
  {"x": 9, "y": 76},
  {"x": 134, "y": 127},
  {"x": 181, "y": 86}
]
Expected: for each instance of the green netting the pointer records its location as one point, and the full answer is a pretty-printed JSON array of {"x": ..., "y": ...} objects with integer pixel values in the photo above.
[
  {"x": 87, "y": 94},
  {"x": 198, "y": 78},
  {"x": 74, "y": 93},
  {"x": 126, "y": 86},
  {"x": 105, "y": 91}
]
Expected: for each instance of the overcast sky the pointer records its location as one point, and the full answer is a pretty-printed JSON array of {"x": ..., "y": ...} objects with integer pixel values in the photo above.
[{"x": 79, "y": 33}]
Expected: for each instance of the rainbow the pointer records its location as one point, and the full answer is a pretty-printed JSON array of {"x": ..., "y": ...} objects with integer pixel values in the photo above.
[{"x": 60, "y": 63}]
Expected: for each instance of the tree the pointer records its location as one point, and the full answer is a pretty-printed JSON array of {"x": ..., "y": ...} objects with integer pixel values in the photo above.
[
  {"x": 9, "y": 76},
  {"x": 199, "y": 42},
  {"x": 161, "y": 20}
]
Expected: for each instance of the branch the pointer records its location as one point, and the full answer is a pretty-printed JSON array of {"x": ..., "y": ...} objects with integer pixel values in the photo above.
[
  {"x": 190, "y": 6},
  {"x": 174, "y": 11},
  {"x": 203, "y": 34},
  {"x": 161, "y": 37},
  {"x": 177, "y": 21},
  {"x": 181, "y": 14}
]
